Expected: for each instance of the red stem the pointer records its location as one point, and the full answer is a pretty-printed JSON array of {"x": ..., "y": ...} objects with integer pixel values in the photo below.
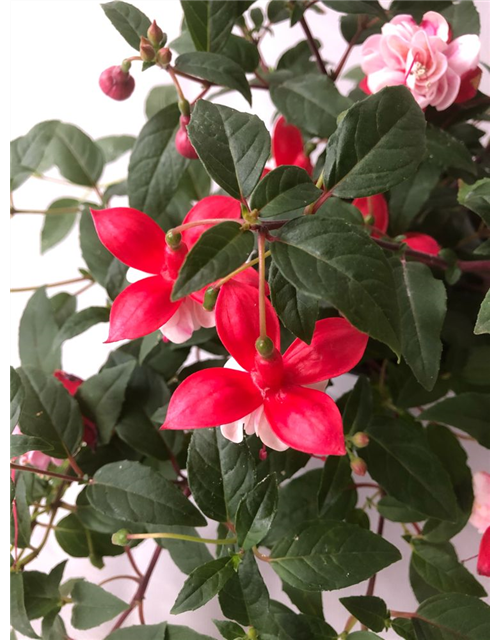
[{"x": 312, "y": 46}]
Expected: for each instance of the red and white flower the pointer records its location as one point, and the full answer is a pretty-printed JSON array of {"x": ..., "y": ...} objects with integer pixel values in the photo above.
[
  {"x": 376, "y": 208},
  {"x": 139, "y": 242},
  {"x": 480, "y": 518},
  {"x": 287, "y": 147},
  {"x": 278, "y": 398},
  {"x": 421, "y": 242}
]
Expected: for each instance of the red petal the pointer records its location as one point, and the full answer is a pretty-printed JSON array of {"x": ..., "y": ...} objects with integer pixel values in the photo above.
[
  {"x": 363, "y": 85},
  {"x": 306, "y": 420},
  {"x": 422, "y": 242},
  {"x": 237, "y": 321},
  {"x": 287, "y": 142},
  {"x": 377, "y": 207},
  {"x": 469, "y": 85},
  {"x": 336, "y": 347},
  {"x": 209, "y": 207},
  {"x": 143, "y": 307},
  {"x": 210, "y": 398},
  {"x": 69, "y": 382},
  {"x": 132, "y": 237},
  {"x": 483, "y": 561}
]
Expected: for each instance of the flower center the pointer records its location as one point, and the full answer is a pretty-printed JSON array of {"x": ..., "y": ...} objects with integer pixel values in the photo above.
[
  {"x": 174, "y": 259},
  {"x": 267, "y": 373}
]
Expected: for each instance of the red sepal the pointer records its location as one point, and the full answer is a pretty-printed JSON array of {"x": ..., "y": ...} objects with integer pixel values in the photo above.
[{"x": 483, "y": 561}]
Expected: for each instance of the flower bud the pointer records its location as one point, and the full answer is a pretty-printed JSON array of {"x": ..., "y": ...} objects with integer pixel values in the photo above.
[
  {"x": 173, "y": 239},
  {"x": 117, "y": 83},
  {"x": 263, "y": 453},
  {"x": 360, "y": 440},
  {"x": 183, "y": 143},
  {"x": 265, "y": 346},
  {"x": 210, "y": 298},
  {"x": 184, "y": 108},
  {"x": 163, "y": 57},
  {"x": 369, "y": 219},
  {"x": 358, "y": 466},
  {"x": 155, "y": 34},
  {"x": 148, "y": 54},
  {"x": 120, "y": 537}
]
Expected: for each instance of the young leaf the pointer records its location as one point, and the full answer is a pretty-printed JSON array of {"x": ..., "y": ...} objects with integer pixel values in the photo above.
[
  {"x": 215, "y": 68},
  {"x": 58, "y": 225},
  {"x": 22, "y": 512},
  {"x": 285, "y": 190},
  {"x": 483, "y": 317},
  {"x": 93, "y": 605},
  {"x": 369, "y": 610},
  {"x": 322, "y": 555},
  {"x": 338, "y": 263},
  {"x": 129, "y": 21},
  {"x": 232, "y": 146},
  {"x": 16, "y": 398},
  {"x": 203, "y": 584},
  {"x": 256, "y": 513},
  {"x": 310, "y": 102},
  {"x": 37, "y": 332},
  {"x": 79, "y": 323},
  {"x": 78, "y": 157},
  {"x": 220, "y": 250},
  {"x": 113, "y": 147},
  {"x": 18, "y": 617},
  {"x": 453, "y": 615},
  {"x": 131, "y": 491},
  {"x": 209, "y": 22},
  {"x": 379, "y": 143}
]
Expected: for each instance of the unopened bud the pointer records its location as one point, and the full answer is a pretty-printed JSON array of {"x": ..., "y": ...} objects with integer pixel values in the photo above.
[
  {"x": 120, "y": 538},
  {"x": 183, "y": 143},
  {"x": 369, "y": 219},
  {"x": 173, "y": 239},
  {"x": 155, "y": 34},
  {"x": 148, "y": 54},
  {"x": 117, "y": 83},
  {"x": 358, "y": 466},
  {"x": 360, "y": 440},
  {"x": 163, "y": 57},
  {"x": 184, "y": 108},
  {"x": 210, "y": 298},
  {"x": 265, "y": 346},
  {"x": 249, "y": 216}
]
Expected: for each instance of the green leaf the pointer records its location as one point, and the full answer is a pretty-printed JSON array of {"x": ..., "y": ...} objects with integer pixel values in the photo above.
[
  {"x": 28, "y": 153},
  {"x": 296, "y": 310},
  {"x": 422, "y": 303},
  {"x": 285, "y": 190},
  {"x": 379, "y": 143},
  {"x": 186, "y": 554},
  {"x": 22, "y": 512},
  {"x": 136, "y": 429},
  {"x": 463, "y": 18},
  {"x": 468, "y": 412},
  {"x": 93, "y": 605},
  {"x": 298, "y": 59},
  {"x": 358, "y": 410},
  {"x": 403, "y": 626},
  {"x": 396, "y": 511},
  {"x": 37, "y": 332},
  {"x": 322, "y": 555},
  {"x": 113, "y": 147},
  {"x": 79, "y": 323},
  {"x": 453, "y": 617},
  {"x": 218, "y": 252},
  {"x": 215, "y": 68},
  {"x": 363, "y": 635},
  {"x": 78, "y": 157},
  {"x": 336, "y": 495},
  {"x": 63, "y": 305},
  {"x": 417, "y": 8},
  {"x": 49, "y": 412},
  {"x": 95, "y": 254},
  {"x": 20, "y": 444},
  {"x": 130, "y": 491},
  {"x": 159, "y": 98},
  {"x": 310, "y": 102},
  {"x": 401, "y": 461},
  {"x": 102, "y": 397},
  {"x": 41, "y": 591},
  {"x": 209, "y": 22},
  {"x": 369, "y": 610},
  {"x": 476, "y": 197},
  {"x": 57, "y": 226},
  {"x": 220, "y": 473},
  {"x": 18, "y": 616},
  {"x": 232, "y": 146},
  {"x": 156, "y": 167},
  {"x": 230, "y": 630},
  {"x": 242, "y": 52},
  {"x": 447, "y": 151},
  {"x": 128, "y": 21},
  {"x": 203, "y": 584},
  {"x": 483, "y": 317},
  {"x": 16, "y": 398},
  {"x": 256, "y": 513},
  {"x": 338, "y": 263},
  {"x": 160, "y": 631},
  {"x": 308, "y": 602},
  {"x": 53, "y": 628},
  {"x": 78, "y": 541},
  {"x": 370, "y": 7}
]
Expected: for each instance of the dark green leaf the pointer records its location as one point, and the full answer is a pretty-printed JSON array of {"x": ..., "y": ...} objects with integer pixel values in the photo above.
[
  {"x": 41, "y": 592},
  {"x": 453, "y": 617},
  {"x": 379, "y": 143},
  {"x": 28, "y": 153},
  {"x": 230, "y": 630},
  {"x": 78, "y": 541},
  {"x": 203, "y": 584},
  {"x": 53, "y": 628},
  {"x": 308, "y": 602},
  {"x": 277, "y": 11},
  {"x": 37, "y": 332},
  {"x": 370, "y": 7},
  {"x": 298, "y": 59},
  {"x": 16, "y": 398},
  {"x": 18, "y": 617},
  {"x": 467, "y": 411},
  {"x": 57, "y": 226},
  {"x": 220, "y": 473},
  {"x": 417, "y": 8},
  {"x": 476, "y": 197},
  {"x": 363, "y": 635},
  {"x": 348, "y": 27},
  {"x": 483, "y": 317},
  {"x": 296, "y": 310},
  {"x": 159, "y": 98},
  {"x": 116, "y": 278},
  {"x": 95, "y": 254},
  {"x": 256, "y": 513},
  {"x": 156, "y": 167},
  {"x": 369, "y": 610},
  {"x": 93, "y": 605},
  {"x": 80, "y": 322},
  {"x": 102, "y": 397},
  {"x": 160, "y": 631},
  {"x": 358, "y": 411},
  {"x": 403, "y": 626},
  {"x": 218, "y": 252},
  {"x": 242, "y": 52},
  {"x": 401, "y": 461},
  {"x": 49, "y": 412},
  {"x": 396, "y": 511},
  {"x": 77, "y": 157},
  {"x": 447, "y": 151},
  {"x": 130, "y": 491},
  {"x": 113, "y": 147},
  {"x": 22, "y": 512},
  {"x": 322, "y": 555},
  {"x": 186, "y": 555},
  {"x": 136, "y": 429},
  {"x": 285, "y": 190},
  {"x": 232, "y": 146},
  {"x": 338, "y": 209},
  {"x": 63, "y": 305},
  {"x": 335, "y": 496},
  {"x": 215, "y": 68},
  {"x": 463, "y": 18},
  {"x": 195, "y": 182},
  {"x": 338, "y": 263},
  {"x": 129, "y": 21},
  {"x": 209, "y": 22},
  {"x": 311, "y": 102},
  {"x": 20, "y": 444}
]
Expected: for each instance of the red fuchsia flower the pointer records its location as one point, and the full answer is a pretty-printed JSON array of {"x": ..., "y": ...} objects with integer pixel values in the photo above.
[
  {"x": 139, "y": 242},
  {"x": 422, "y": 242},
  {"x": 117, "y": 83},
  {"x": 71, "y": 384},
  {"x": 374, "y": 207},
  {"x": 287, "y": 147},
  {"x": 483, "y": 560},
  {"x": 182, "y": 141},
  {"x": 422, "y": 57},
  {"x": 281, "y": 399}
]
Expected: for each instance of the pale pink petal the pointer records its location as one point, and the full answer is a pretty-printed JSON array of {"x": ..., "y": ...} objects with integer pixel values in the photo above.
[
  {"x": 189, "y": 317},
  {"x": 260, "y": 425},
  {"x": 434, "y": 24},
  {"x": 480, "y": 517},
  {"x": 371, "y": 60},
  {"x": 463, "y": 53},
  {"x": 447, "y": 90},
  {"x": 385, "y": 78},
  {"x": 233, "y": 431}
]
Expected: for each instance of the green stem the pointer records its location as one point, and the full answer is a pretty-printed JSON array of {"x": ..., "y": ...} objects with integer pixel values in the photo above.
[
  {"x": 262, "y": 285},
  {"x": 41, "y": 472},
  {"x": 52, "y": 284},
  {"x": 179, "y": 536},
  {"x": 243, "y": 267}
]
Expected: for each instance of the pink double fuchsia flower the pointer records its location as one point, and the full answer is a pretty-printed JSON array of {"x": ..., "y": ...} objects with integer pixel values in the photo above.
[
  {"x": 436, "y": 70},
  {"x": 139, "y": 242},
  {"x": 275, "y": 398},
  {"x": 480, "y": 518},
  {"x": 287, "y": 147}
]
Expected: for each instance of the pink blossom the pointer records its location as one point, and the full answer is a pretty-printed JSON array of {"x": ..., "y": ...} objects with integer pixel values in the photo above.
[
  {"x": 422, "y": 58},
  {"x": 480, "y": 517},
  {"x": 117, "y": 83}
]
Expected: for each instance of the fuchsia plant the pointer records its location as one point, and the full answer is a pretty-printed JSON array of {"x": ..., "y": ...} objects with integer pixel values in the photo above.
[{"x": 249, "y": 272}]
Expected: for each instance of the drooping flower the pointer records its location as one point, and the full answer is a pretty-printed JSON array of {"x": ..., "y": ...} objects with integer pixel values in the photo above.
[
  {"x": 117, "y": 83},
  {"x": 139, "y": 242},
  {"x": 280, "y": 399},
  {"x": 422, "y": 242},
  {"x": 182, "y": 141},
  {"x": 422, "y": 57},
  {"x": 480, "y": 518},
  {"x": 287, "y": 147},
  {"x": 374, "y": 207}
]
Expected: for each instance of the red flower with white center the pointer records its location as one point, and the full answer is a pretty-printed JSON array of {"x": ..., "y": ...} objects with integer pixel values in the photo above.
[
  {"x": 374, "y": 207},
  {"x": 274, "y": 398},
  {"x": 422, "y": 242},
  {"x": 139, "y": 242},
  {"x": 287, "y": 147}
]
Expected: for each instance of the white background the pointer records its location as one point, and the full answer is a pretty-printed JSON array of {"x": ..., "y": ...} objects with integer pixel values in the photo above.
[{"x": 58, "y": 51}]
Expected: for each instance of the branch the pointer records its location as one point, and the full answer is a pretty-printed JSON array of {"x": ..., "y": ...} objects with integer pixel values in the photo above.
[
  {"x": 52, "y": 284},
  {"x": 313, "y": 47},
  {"x": 41, "y": 472}
]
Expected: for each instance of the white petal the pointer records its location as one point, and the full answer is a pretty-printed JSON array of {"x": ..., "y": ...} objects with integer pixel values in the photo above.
[
  {"x": 233, "y": 431},
  {"x": 134, "y": 275},
  {"x": 265, "y": 433}
]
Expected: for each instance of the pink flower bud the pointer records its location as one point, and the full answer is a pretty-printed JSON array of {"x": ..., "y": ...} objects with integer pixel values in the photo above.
[
  {"x": 116, "y": 83},
  {"x": 163, "y": 57},
  {"x": 358, "y": 466},
  {"x": 183, "y": 143},
  {"x": 360, "y": 440},
  {"x": 148, "y": 54},
  {"x": 263, "y": 453},
  {"x": 155, "y": 34}
]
